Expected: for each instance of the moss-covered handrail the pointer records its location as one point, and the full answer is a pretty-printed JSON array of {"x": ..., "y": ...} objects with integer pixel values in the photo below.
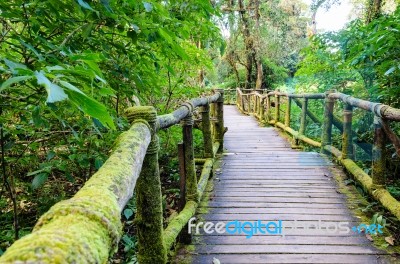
[
  {"x": 165, "y": 121},
  {"x": 87, "y": 227},
  {"x": 261, "y": 106}
]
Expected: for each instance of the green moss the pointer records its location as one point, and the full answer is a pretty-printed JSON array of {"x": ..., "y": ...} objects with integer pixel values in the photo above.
[
  {"x": 68, "y": 239},
  {"x": 87, "y": 227},
  {"x": 205, "y": 175},
  {"x": 178, "y": 223},
  {"x": 354, "y": 201}
]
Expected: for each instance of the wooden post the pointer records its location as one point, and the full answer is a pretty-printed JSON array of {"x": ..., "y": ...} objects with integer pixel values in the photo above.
[
  {"x": 149, "y": 215},
  {"x": 256, "y": 109},
  {"x": 268, "y": 108},
  {"x": 190, "y": 172},
  {"x": 303, "y": 118},
  {"x": 184, "y": 236},
  {"x": 262, "y": 109},
  {"x": 288, "y": 110},
  {"x": 219, "y": 125},
  {"x": 326, "y": 138},
  {"x": 182, "y": 176},
  {"x": 347, "y": 140},
  {"x": 237, "y": 98},
  {"x": 277, "y": 108},
  {"x": 206, "y": 129},
  {"x": 242, "y": 102},
  {"x": 378, "y": 154}
]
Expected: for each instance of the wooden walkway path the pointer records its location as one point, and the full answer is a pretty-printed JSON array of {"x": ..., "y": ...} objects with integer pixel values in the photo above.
[{"x": 262, "y": 178}]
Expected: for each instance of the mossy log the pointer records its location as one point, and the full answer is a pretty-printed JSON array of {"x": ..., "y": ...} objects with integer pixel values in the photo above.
[
  {"x": 178, "y": 223},
  {"x": 87, "y": 227},
  {"x": 165, "y": 121},
  {"x": 377, "y": 192},
  {"x": 304, "y": 95},
  {"x": 378, "y": 109},
  {"x": 297, "y": 135},
  {"x": 205, "y": 175}
]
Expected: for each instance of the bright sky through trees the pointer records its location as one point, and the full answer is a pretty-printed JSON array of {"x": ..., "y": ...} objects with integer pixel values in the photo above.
[{"x": 335, "y": 18}]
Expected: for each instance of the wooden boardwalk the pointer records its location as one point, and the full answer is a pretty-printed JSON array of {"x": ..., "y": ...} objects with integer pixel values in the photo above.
[{"x": 262, "y": 178}]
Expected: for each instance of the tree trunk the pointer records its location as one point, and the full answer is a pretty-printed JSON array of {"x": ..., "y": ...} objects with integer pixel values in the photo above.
[
  {"x": 373, "y": 10},
  {"x": 248, "y": 41},
  {"x": 257, "y": 53}
]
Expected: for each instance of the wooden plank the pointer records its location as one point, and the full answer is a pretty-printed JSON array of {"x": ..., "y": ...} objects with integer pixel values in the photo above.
[
  {"x": 286, "y": 249},
  {"x": 253, "y": 197},
  {"x": 278, "y": 240},
  {"x": 252, "y": 210},
  {"x": 293, "y": 205},
  {"x": 238, "y": 188},
  {"x": 275, "y": 217},
  {"x": 289, "y": 258}
]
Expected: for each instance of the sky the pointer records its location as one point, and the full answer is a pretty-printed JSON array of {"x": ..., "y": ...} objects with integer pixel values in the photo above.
[{"x": 335, "y": 18}]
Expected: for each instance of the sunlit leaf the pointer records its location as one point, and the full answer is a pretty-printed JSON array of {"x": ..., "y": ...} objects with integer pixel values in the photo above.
[
  {"x": 148, "y": 6},
  {"x": 55, "y": 93},
  {"x": 390, "y": 70},
  {"x": 85, "y": 5}
]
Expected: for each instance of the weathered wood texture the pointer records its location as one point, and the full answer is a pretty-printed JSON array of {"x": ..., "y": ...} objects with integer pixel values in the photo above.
[{"x": 262, "y": 178}]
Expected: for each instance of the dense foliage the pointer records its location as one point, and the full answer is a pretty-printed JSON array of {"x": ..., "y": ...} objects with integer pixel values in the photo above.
[{"x": 68, "y": 70}]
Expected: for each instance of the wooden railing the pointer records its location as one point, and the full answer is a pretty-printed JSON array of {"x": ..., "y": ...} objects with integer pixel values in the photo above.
[
  {"x": 87, "y": 227},
  {"x": 267, "y": 108}
]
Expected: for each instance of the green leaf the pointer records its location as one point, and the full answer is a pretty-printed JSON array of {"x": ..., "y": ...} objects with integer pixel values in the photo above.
[
  {"x": 98, "y": 162},
  {"x": 30, "y": 47},
  {"x": 14, "y": 65},
  {"x": 14, "y": 80},
  {"x": 54, "y": 92},
  {"x": 147, "y": 6},
  {"x": 70, "y": 86},
  {"x": 128, "y": 213},
  {"x": 39, "y": 180},
  {"x": 165, "y": 35},
  {"x": 36, "y": 172},
  {"x": 390, "y": 70},
  {"x": 91, "y": 107},
  {"x": 106, "y": 4},
  {"x": 50, "y": 155},
  {"x": 85, "y": 5}
]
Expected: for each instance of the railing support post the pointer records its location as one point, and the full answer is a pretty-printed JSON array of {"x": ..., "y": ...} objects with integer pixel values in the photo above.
[
  {"x": 262, "y": 109},
  {"x": 268, "y": 108},
  {"x": 326, "y": 138},
  {"x": 242, "y": 102},
  {"x": 347, "y": 140},
  {"x": 277, "y": 108},
  {"x": 303, "y": 119},
  {"x": 190, "y": 172},
  {"x": 219, "y": 125},
  {"x": 149, "y": 215},
  {"x": 288, "y": 110},
  {"x": 206, "y": 129},
  {"x": 378, "y": 154}
]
